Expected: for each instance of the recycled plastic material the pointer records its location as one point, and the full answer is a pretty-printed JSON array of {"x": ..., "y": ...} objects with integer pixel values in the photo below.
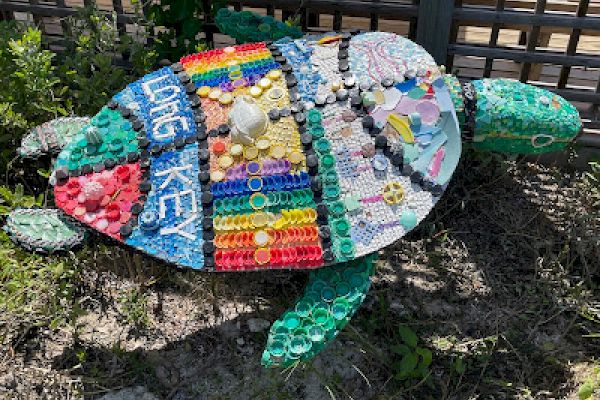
[{"x": 309, "y": 153}]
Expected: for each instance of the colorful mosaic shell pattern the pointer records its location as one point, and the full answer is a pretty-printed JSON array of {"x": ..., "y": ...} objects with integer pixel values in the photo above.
[{"x": 295, "y": 154}]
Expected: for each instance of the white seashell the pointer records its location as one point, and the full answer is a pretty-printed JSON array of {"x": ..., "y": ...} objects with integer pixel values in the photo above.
[{"x": 247, "y": 120}]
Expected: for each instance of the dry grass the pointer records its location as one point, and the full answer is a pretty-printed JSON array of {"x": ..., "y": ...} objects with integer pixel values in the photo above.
[{"x": 495, "y": 282}]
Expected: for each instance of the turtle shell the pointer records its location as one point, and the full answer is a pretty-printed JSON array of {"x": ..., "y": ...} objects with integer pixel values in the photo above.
[{"x": 360, "y": 142}]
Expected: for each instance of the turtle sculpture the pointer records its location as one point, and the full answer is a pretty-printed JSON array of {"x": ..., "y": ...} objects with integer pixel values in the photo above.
[{"x": 310, "y": 153}]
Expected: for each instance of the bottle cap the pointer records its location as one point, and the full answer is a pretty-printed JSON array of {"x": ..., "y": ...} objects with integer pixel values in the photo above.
[
  {"x": 261, "y": 238},
  {"x": 263, "y": 143},
  {"x": 291, "y": 320},
  {"x": 217, "y": 176},
  {"x": 236, "y": 149},
  {"x": 262, "y": 256},
  {"x": 226, "y": 98},
  {"x": 250, "y": 153},
  {"x": 255, "y": 184},
  {"x": 296, "y": 157},
  {"x": 218, "y": 147},
  {"x": 215, "y": 94},
  {"x": 258, "y": 201},
  {"x": 274, "y": 74},
  {"x": 225, "y": 161},
  {"x": 264, "y": 83},
  {"x": 255, "y": 91},
  {"x": 203, "y": 91},
  {"x": 259, "y": 220},
  {"x": 277, "y": 151}
]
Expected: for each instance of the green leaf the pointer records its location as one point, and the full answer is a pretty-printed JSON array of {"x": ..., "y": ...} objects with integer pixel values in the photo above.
[
  {"x": 400, "y": 349},
  {"x": 425, "y": 354},
  {"x": 586, "y": 391},
  {"x": 459, "y": 366},
  {"x": 408, "y": 364},
  {"x": 191, "y": 27},
  {"x": 408, "y": 335}
]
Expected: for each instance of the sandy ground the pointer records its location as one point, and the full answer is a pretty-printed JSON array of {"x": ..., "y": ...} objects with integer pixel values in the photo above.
[{"x": 494, "y": 282}]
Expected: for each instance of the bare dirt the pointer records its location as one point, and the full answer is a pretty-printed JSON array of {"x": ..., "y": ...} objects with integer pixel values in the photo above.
[{"x": 494, "y": 282}]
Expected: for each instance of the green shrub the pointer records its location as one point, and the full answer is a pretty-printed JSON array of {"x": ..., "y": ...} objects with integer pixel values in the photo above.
[
  {"x": 93, "y": 42},
  {"x": 180, "y": 22},
  {"x": 30, "y": 89},
  {"x": 35, "y": 291}
]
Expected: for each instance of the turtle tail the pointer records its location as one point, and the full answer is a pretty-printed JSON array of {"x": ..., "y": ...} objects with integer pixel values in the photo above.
[
  {"x": 508, "y": 116},
  {"x": 331, "y": 298},
  {"x": 246, "y": 26}
]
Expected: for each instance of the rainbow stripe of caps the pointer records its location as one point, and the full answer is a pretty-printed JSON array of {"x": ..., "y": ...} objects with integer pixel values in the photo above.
[{"x": 229, "y": 67}]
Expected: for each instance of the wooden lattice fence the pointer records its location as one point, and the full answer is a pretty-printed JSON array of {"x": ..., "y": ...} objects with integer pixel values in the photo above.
[{"x": 551, "y": 43}]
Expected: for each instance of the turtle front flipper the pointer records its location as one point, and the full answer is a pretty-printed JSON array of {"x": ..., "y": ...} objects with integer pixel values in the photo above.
[
  {"x": 50, "y": 137},
  {"x": 331, "y": 298},
  {"x": 509, "y": 116},
  {"x": 44, "y": 230}
]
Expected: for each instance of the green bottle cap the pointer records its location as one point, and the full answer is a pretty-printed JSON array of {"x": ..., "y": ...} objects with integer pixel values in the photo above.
[
  {"x": 323, "y": 146},
  {"x": 331, "y": 193},
  {"x": 328, "y": 294},
  {"x": 347, "y": 247},
  {"x": 317, "y": 131},
  {"x": 340, "y": 308},
  {"x": 316, "y": 333},
  {"x": 303, "y": 309},
  {"x": 276, "y": 348},
  {"x": 342, "y": 289},
  {"x": 341, "y": 227},
  {"x": 291, "y": 320},
  {"x": 337, "y": 208},
  {"x": 320, "y": 316},
  {"x": 314, "y": 117}
]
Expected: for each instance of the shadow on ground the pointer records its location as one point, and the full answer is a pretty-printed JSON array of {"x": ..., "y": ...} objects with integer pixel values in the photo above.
[{"x": 492, "y": 282}]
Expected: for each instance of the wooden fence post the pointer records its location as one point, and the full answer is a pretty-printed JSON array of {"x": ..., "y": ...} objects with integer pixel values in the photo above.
[{"x": 433, "y": 27}]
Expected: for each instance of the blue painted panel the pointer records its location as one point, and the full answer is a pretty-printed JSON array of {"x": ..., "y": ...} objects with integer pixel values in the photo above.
[
  {"x": 170, "y": 227},
  {"x": 160, "y": 101}
]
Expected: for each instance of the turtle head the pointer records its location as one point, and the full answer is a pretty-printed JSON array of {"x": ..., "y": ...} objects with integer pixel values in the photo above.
[
  {"x": 50, "y": 137},
  {"x": 509, "y": 116}
]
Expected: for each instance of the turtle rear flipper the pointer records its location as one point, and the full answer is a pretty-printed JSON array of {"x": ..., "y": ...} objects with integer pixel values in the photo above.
[
  {"x": 50, "y": 137},
  {"x": 44, "y": 230},
  {"x": 332, "y": 296}
]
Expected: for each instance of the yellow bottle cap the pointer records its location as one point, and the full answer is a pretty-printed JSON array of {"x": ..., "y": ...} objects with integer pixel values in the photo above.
[
  {"x": 225, "y": 98},
  {"x": 217, "y": 176},
  {"x": 250, "y": 153},
  {"x": 203, "y": 91},
  {"x": 261, "y": 238},
  {"x": 296, "y": 157},
  {"x": 264, "y": 83},
  {"x": 263, "y": 143},
  {"x": 259, "y": 220},
  {"x": 277, "y": 151},
  {"x": 225, "y": 161},
  {"x": 236, "y": 149},
  {"x": 245, "y": 222},
  {"x": 274, "y": 74},
  {"x": 335, "y": 86},
  {"x": 215, "y": 94},
  {"x": 255, "y": 91}
]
